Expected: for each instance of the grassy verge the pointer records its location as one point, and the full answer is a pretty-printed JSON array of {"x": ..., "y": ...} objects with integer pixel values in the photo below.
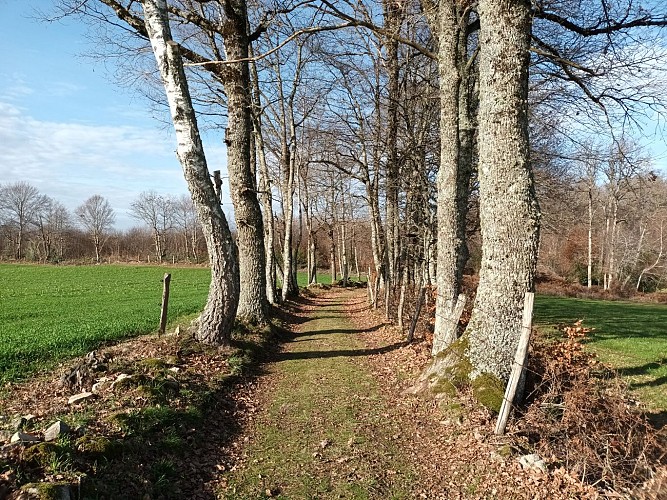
[
  {"x": 48, "y": 313},
  {"x": 323, "y": 434},
  {"x": 631, "y": 337}
]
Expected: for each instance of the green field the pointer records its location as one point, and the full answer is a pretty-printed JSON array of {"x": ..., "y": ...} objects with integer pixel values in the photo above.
[
  {"x": 629, "y": 336},
  {"x": 48, "y": 313}
]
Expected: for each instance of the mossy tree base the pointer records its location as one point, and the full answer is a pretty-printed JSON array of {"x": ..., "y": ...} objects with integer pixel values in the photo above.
[{"x": 451, "y": 370}]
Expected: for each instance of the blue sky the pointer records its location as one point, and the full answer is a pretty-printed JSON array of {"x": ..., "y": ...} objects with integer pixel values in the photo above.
[{"x": 68, "y": 129}]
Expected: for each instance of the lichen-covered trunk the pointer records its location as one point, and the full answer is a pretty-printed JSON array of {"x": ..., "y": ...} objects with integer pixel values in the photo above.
[
  {"x": 253, "y": 304},
  {"x": 448, "y": 274},
  {"x": 217, "y": 318},
  {"x": 509, "y": 211}
]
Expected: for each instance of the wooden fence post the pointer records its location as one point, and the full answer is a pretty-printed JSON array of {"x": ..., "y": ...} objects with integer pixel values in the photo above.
[
  {"x": 519, "y": 362},
  {"x": 165, "y": 303}
]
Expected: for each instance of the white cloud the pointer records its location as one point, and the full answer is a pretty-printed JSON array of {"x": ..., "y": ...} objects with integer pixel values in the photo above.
[{"x": 14, "y": 87}]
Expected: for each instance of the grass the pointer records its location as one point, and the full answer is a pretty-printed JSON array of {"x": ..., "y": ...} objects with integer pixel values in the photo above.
[
  {"x": 631, "y": 337},
  {"x": 49, "y": 313}
]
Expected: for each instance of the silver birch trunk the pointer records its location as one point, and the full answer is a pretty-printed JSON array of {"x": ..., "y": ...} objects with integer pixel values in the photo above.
[
  {"x": 509, "y": 211},
  {"x": 217, "y": 318}
]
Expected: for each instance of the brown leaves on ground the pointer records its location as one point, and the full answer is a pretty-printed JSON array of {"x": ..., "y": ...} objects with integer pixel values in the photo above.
[{"x": 164, "y": 431}]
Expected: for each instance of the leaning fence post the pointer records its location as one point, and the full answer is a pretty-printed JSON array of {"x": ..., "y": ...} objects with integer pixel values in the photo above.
[
  {"x": 519, "y": 362},
  {"x": 165, "y": 303}
]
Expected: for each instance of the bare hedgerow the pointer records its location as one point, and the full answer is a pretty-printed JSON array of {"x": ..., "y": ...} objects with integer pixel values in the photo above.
[{"x": 578, "y": 416}]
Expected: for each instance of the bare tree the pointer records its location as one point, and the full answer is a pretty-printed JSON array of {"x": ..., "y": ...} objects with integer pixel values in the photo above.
[
  {"x": 20, "y": 208},
  {"x": 97, "y": 217},
  {"x": 157, "y": 212},
  {"x": 52, "y": 223},
  {"x": 185, "y": 218}
]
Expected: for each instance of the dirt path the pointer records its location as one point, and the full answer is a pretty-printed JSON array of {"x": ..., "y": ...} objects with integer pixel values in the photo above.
[
  {"x": 326, "y": 416},
  {"x": 324, "y": 430}
]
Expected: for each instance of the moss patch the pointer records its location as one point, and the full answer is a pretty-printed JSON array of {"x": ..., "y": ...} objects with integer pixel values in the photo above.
[
  {"x": 98, "y": 446},
  {"x": 41, "y": 454},
  {"x": 442, "y": 386},
  {"x": 47, "y": 491},
  {"x": 489, "y": 391}
]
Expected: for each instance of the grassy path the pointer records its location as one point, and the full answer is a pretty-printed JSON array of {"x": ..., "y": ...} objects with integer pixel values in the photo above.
[{"x": 324, "y": 430}]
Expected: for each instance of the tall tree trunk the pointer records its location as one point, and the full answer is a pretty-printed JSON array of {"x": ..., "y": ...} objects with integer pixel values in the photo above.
[
  {"x": 392, "y": 17},
  {"x": 378, "y": 246},
  {"x": 508, "y": 207},
  {"x": 590, "y": 238},
  {"x": 287, "y": 188},
  {"x": 217, "y": 318},
  {"x": 253, "y": 304},
  {"x": 332, "y": 254},
  {"x": 448, "y": 236},
  {"x": 343, "y": 238},
  {"x": 612, "y": 244},
  {"x": 266, "y": 194}
]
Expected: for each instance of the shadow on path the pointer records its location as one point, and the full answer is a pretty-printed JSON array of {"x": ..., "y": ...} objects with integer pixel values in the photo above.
[{"x": 284, "y": 356}]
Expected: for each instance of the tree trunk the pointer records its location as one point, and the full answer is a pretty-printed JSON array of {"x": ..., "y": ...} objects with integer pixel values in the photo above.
[
  {"x": 612, "y": 245},
  {"x": 343, "y": 238},
  {"x": 449, "y": 242},
  {"x": 217, "y": 318},
  {"x": 508, "y": 208},
  {"x": 392, "y": 16},
  {"x": 287, "y": 188},
  {"x": 590, "y": 238},
  {"x": 266, "y": 194},
  {"x": 253, "y": 304},
  {"x": 377, "y": 234}
]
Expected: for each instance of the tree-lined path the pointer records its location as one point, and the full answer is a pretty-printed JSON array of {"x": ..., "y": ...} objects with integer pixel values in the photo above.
[{"x": 332, "y": 422}]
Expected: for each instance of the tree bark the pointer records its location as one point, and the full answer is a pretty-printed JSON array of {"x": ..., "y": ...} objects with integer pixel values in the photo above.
[
  {"x": 590, "y": 238},
  {"x": 449, "y": 246},
  {"x": 509, "y": 211},
  {"x": 217, "y": 318},
  {"x": 253, "y": 304},
  {"x": 392, "y": 16},
  {"x": 266, "y": 194}
]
